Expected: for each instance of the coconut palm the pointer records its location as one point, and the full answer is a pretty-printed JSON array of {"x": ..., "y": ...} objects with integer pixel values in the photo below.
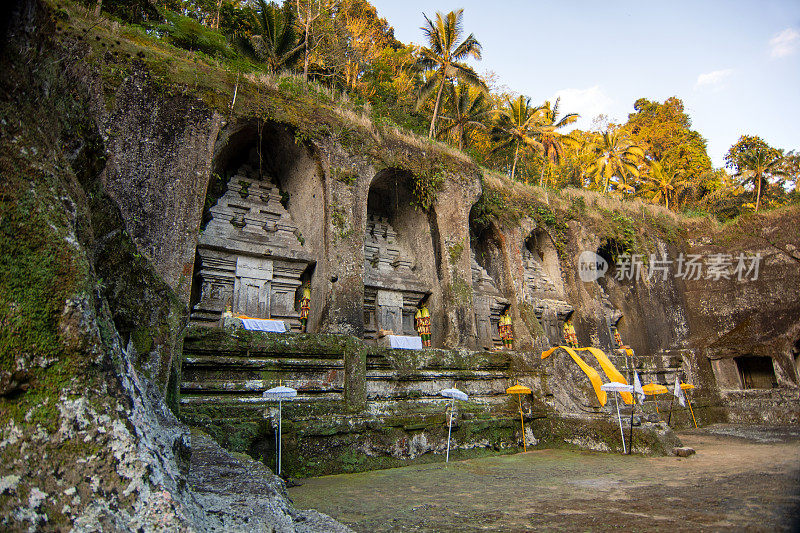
[
  {"x": 755, "y": 166},
  {"x": 664, "y": 183},
  {"x": 614, "y": 156},
  {"x": 274, "y": 40},
  {"x": 516, "y": 125},
  {"x": 551, "y": 140},
  {"x": 468, "y": 107},
  {"x": 445, "y": 58}
]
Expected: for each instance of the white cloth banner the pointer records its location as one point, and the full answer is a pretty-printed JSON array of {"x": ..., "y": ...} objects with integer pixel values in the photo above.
[
  {"x": 678, "y": 392},
  {"x": 405, "y": 342},
  {"x": 262, "y": 324},
  {"x": 637, "y": 387}
]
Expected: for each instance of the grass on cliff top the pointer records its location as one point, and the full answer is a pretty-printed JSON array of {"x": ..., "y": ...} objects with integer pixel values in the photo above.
[
  {"x": 118, "y": 51},
  {"x": 632, "y": 225}
]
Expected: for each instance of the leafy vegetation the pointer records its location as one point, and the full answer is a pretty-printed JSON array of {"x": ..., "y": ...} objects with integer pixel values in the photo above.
[
  {"x": 445, "y": 58},
  {"x": 341, "y": 52}
]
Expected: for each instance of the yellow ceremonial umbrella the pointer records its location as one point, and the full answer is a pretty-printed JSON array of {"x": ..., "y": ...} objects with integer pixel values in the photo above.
[
  {"x": 520, "y": 390},
  {"x": 689, "y": 386},
  {"x": 651, "y": 389}
]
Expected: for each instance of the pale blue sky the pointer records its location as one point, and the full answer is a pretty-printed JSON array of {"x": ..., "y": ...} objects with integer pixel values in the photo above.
[{"x": 735, "y": 64}]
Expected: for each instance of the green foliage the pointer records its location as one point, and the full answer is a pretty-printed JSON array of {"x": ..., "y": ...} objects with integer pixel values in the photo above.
[
  {"x": 185, "y": 32},
  {"x": 615, "y": 160},
  {"x": 491, "y": 206},
  {"x": 620, "y": 235},
  {"x": 460, "y": 292},
  {"x": 345, "y": 175},
  {"x": 425, "y": 189},
  {"x": 135, "y": 11},
  {"x": 514, "y": 127},
  {"x": 292, "y": 86},
  {"x": 273, "y": 39},
  {"x": 746, "y": 146},
  {"x": 341, "y": 221},
  {"x": 664, "y": 131},
  {"x": 444, "y": 57},
  {"x": 544, "y": 214},
  {"x": 455, "y": 252},
  {"x": 758, "y": 164}
]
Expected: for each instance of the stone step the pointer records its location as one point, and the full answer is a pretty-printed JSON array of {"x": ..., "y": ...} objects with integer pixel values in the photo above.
[
  {"x": 380, "y": 363},
  {"x": 258, "y": 353},
  {"x": 264, "y": 363},
  {"x": 256, "y": 385},
  {"x": 255, "y": 399},
  {"x": 434, "y": 375}
]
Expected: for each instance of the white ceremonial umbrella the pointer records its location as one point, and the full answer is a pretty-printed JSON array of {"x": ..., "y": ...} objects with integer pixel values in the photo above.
[
  {"x": 279, "y": 394},
  {"x": 616, "y": 386},
  {"x": 453, "y": 394}
]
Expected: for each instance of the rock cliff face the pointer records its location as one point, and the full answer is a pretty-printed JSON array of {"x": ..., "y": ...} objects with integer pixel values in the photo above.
[
  {"x": 88, "y": 329},
  {"x": 119, "y": 154}
]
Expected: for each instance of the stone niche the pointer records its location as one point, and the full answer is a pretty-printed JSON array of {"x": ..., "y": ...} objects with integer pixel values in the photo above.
[
  {"x": 392, "y": 291},
  {"x": 489, "y": 304},
  {"x": 398, "y": 257},
  {"x": 542, "y": 286},
  {"x": 249, "y": 255}
]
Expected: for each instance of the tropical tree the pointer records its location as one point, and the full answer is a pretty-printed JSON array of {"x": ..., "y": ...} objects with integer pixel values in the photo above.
[
  {"x": 663, "y": 131},
  {"x": 552, "y": 142},
  {"x": 515, "y": 125},
  {"x": 614, "y": 156},
  {"x": 444, "y": 57},
  {"x": 274, "y": 40},
  {"x": 756, "y": 166},
  {"x": 468, "y": 107},
  {"x": 754, "y": 161},
  {"x": 663, "y": 183}
]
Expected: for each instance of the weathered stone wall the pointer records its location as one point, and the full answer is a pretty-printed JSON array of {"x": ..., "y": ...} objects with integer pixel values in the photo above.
[
  {"x": 388, "y": 412},
  {"x": 670, "y": 324},
  {"x": 159, "y": 150}
]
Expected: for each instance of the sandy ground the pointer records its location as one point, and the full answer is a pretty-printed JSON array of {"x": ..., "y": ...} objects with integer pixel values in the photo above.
[{"x": 740, "y": 479}]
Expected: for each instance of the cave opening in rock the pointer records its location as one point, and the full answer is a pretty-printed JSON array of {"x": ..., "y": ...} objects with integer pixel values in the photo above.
[
  {"x": 756, "y": 372},
  {"x": 260, "y": 229},
  {"x": 486, "y": 262},
  {"x": 539, "y": 254},
  {"x": 398, "y": 256},
  {"x": 610, "y": 250}
]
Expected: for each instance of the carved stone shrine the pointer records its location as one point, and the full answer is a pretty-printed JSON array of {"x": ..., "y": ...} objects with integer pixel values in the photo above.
[
  {"x": 250, "y": 254},
  {"x": 488, "y": 304},
  {"x": 392, "y": 289}
]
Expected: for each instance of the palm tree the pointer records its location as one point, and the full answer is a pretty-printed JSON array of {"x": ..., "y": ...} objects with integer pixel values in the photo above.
[
  {"x": 468, "y": 108},
  {"x": 614, "y": 155},
  {"x": 755, "y": 166},
  {"x": 664, "y": 182},
  {"x": 516, "y": 124},
  {"x": 274, "y": 39},
  {"x": 551, "y": 140},
  {"x": 445, "y": 57}
]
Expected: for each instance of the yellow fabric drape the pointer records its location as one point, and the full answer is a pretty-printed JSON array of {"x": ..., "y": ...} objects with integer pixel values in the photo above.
[
  {"x": 610, "y": 370},
  {"x": 594, "y": 377}
]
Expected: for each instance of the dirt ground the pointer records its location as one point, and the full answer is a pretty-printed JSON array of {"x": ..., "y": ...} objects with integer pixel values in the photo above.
[{"x": 742, "y": 478}]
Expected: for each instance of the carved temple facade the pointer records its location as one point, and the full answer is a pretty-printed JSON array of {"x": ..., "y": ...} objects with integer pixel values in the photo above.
[{"x": 250, "y": 254}]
